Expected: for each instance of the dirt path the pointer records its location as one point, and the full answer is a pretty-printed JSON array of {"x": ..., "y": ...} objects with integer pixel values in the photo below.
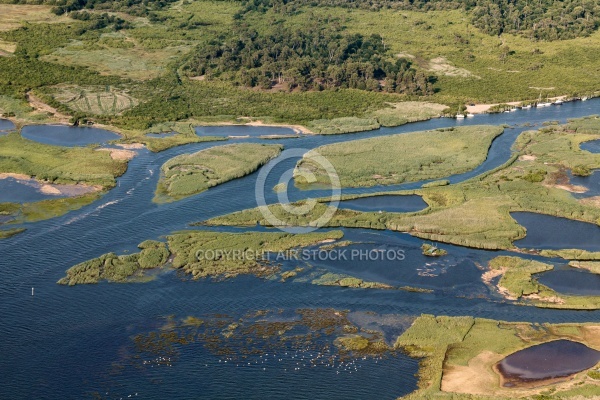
[{"x": 40, "y": 106}]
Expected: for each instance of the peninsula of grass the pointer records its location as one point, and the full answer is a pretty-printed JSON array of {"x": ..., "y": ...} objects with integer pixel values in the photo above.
[
  {"x": 190, "y": 174},
  {"x": 458, "y": 355},
  {"x": 476, "y": 213},
  {"x": 200, "y": 254},
  {"x": 392, "y": 159},
  {"x": 518, "y": 282},
  {"x": 58, "y": 165},
  {"x": 55, "y": 165}
]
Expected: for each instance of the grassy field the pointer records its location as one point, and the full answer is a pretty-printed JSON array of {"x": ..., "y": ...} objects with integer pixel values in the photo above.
[
  {"x": 190, "y": 174},
  {"x": 13, "y": 16},
  {"x": 393, "y": 159},
  {"x": 476, "y": 213},
  {"x": 198, "y": 253},
  {"x": 458, "y": 355},
  {"x": 95, "y": 100}
]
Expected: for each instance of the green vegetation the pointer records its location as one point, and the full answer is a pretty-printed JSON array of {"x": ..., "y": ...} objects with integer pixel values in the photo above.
[
  {"x": 592, "y": 266},
  {"x": 7, "y": 233},
  {"x": 57, "y": 164},
  {"x": 458, "y": 355},
  {"x": 167, "y": 61},
  {"x": 115, "y": 268},
  {"x": 571, "y": 254},
  {"x": 431, "y": 250},
  {"x": 331, "y": 279},
  {"x": 476, "y": 213},
  {"x": 198, "y": 253},
  {"x": 518, "y": 282},
  {"x": 190, "y": 174},
  {"x": 393, "y": 159}
]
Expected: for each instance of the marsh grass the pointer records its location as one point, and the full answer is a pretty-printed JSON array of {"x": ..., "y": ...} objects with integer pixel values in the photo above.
[
  {"x": 392, "y": 159},
  {"x": 519, "y": 282},
  {"x": 445, "y": 343},
  {"x": 58, "y": 164},
  {"x": 190, "y": 174},
  {"x": 197, "y": 253},
  {"x": 476, "y": 213}
]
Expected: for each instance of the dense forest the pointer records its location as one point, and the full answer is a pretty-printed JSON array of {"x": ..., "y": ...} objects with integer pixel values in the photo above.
[{"x": 316, "y": 56}]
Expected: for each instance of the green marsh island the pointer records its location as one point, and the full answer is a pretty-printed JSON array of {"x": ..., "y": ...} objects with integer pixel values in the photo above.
[{"x": 190, "y": 174}]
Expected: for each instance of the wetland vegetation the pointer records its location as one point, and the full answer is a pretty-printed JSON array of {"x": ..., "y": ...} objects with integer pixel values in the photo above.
[
  {"x": 459, "y": 354},
  {"x": 476, "y": 213},
  {"x": 518, "y": 282},
  {"x": 189, "y": 174},
  {"x": 392, "y": 159}
]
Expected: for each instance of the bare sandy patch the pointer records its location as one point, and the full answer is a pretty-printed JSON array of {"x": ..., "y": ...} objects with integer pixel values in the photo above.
[
  {"x": 49, "y": 189},
  {"x": 40, "y": 106},
  {"x": 569, "y": 187},
  {"x": 527, "y": 157},
  {"x": 475, "y": 378},
  {"x": 198, "y": 78},
  {"x": 6, "y": 175},
  {"x": 591, "y": 201},
  {"x": 131, "y": 146},
  {"x": 120, "y": 154}
]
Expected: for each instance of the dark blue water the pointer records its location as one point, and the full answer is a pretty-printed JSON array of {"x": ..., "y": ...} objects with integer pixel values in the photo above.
[
  {"x": 20, "y": 191},
  {"x": 548, "y": 360},
  {"x": 387, "y": 203},
  {"x": 70, "y": 136},
  {"x": 548, "y": 232},
  {"x": 592, "y": 146},
  {"x": 572, "y": 281},
  {"x": 592, "y": 183},
  {"x": 243, "y": 130},
  {"x": 67, "y": 342},
  {"x": 6, "y": 126}
]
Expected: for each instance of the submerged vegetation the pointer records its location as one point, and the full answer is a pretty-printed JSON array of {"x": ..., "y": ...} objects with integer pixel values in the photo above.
[
  {"x": 476, "y": 213},
  {"x": 459, "y": 354},
  {"x": 190, "y": 174},
  {"x": 392, "y": 159}
]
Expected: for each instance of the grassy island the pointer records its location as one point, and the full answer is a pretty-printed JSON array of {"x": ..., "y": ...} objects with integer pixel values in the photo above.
[
  {"x": 393, "y": 159},
  {"x": 476, "y": 213},
  {"x": 458, "y": 355},
  {"x": 518, "y": 282},
  {"x": 200, "y": 254},
  {"x": 190, "y": 174}
]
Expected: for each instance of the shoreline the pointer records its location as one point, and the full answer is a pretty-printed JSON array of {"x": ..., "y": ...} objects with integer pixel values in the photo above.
[{"x": 483, "y": 108}]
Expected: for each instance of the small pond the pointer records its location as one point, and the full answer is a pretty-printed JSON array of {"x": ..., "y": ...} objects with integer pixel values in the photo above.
[
  {"x": 243, "y": 131},
  {"x": 592, "y": 146},
  {"x": 70, "y": 136},
  {"x": 550, "y": 360},
  {"x": 571, "y": 281},
  {"x": 389, "y": 203},
  {"x": 548, "y": 232}
]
